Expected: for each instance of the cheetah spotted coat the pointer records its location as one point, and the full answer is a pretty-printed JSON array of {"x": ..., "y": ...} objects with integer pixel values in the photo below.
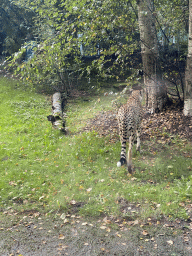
[{"x": 129, "y": 121}]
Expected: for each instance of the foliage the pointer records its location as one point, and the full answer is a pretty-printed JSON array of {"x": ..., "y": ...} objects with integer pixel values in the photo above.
[
  {"x": 16, "y": 24},
  {"x": 172, "y": 26},
  {"x": 95, "y": 38},
  {"x": 172, "y": 19},
  {"x": 107, "y": 32}
]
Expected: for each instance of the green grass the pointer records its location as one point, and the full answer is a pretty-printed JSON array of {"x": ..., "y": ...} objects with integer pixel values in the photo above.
[{"x": 42, "y": 169}]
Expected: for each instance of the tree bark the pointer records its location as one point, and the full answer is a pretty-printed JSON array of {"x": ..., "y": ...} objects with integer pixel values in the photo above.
[
  {"x": 188, "y": 72},
  {"x": 156, "y": 94},
  {"x": 57, "y": 115}
]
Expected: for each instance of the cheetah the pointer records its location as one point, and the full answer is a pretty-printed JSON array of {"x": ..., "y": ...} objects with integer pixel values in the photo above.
[{"x": 129, "y": 120}]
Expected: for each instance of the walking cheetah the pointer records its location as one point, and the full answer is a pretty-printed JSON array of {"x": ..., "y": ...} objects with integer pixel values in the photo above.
[{"x": 129, "y": 120}]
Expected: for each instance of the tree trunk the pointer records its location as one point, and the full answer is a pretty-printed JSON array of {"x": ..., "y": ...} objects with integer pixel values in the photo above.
[
  {"x": 188, "y": 72},
  {"x": 57, "y": 115},
  {"x": 156, "y": 94}
]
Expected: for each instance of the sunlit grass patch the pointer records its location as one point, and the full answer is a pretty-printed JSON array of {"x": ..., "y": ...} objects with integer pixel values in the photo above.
[{"x": 44, "y": 169}]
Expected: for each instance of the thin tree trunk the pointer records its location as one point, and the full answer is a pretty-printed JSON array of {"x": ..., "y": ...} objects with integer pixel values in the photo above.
[
  {"x": 188, "y": 72},
  {"x": 156, "y": 94}
]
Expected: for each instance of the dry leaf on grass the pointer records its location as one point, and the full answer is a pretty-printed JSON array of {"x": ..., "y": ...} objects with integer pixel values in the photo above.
[
  {"x": 145, "y": 233},
  {"x": 170, "y": 242},
  {"x": 61, "y": 236}
]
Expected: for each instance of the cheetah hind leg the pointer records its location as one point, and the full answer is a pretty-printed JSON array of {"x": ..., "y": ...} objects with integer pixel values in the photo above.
[
  {"x": 129, "y": 156},
  {"x": 138, "y": 147}
]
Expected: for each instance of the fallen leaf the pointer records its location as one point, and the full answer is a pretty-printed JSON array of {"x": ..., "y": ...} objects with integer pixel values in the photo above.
[
  {"x": 36, "y": 214},
  {"x": 105, "y": 250},
  {"x": 103, "y": 227},
  {"x": 145, "y": 233},
  {"x": 62, "y": 216},
  {"x": 168, "y": 225},
  {"x": 66, "y": 220},
  {"x": 62, "y": 247},
  {"x": 61, "y": 236},
  {"x": 89, "y": 189},
  {"x": 186, "y": 239},
  {"x": 73, "y": 202},
  {"x": 106, "y": 220},
  {"x": 170, "y": 242},
  {"x": 136, "y": 222},
  {"x": 117, "y": 234}
]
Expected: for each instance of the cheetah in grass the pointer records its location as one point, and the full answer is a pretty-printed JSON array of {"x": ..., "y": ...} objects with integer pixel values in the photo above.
[{"x": 129, "y": 120}]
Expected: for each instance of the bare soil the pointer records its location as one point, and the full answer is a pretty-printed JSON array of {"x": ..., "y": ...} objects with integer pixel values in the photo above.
[{"x": 34, "y": 234}]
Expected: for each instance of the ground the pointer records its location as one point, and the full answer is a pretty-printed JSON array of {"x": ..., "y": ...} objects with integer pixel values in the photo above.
[
  {"x": 33, "y": 233},
  {"x": 170, "y": 121}
]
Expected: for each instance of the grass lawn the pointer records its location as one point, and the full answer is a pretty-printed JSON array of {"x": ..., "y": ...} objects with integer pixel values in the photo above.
[{"x": 42, "y": 169}]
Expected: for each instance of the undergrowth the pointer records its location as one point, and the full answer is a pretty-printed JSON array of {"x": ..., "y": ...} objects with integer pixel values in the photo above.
[{"x": 43, "y": 169}]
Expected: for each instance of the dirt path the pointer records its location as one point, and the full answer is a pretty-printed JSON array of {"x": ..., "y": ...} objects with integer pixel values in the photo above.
[{"x": 34, "y": 234}]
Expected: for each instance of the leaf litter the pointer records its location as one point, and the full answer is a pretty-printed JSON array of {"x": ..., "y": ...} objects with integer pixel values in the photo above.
[{"x": 170, "y": 121}]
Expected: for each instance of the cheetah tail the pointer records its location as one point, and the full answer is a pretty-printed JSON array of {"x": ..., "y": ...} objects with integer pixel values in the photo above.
[{"x": 121, "y": 162}]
